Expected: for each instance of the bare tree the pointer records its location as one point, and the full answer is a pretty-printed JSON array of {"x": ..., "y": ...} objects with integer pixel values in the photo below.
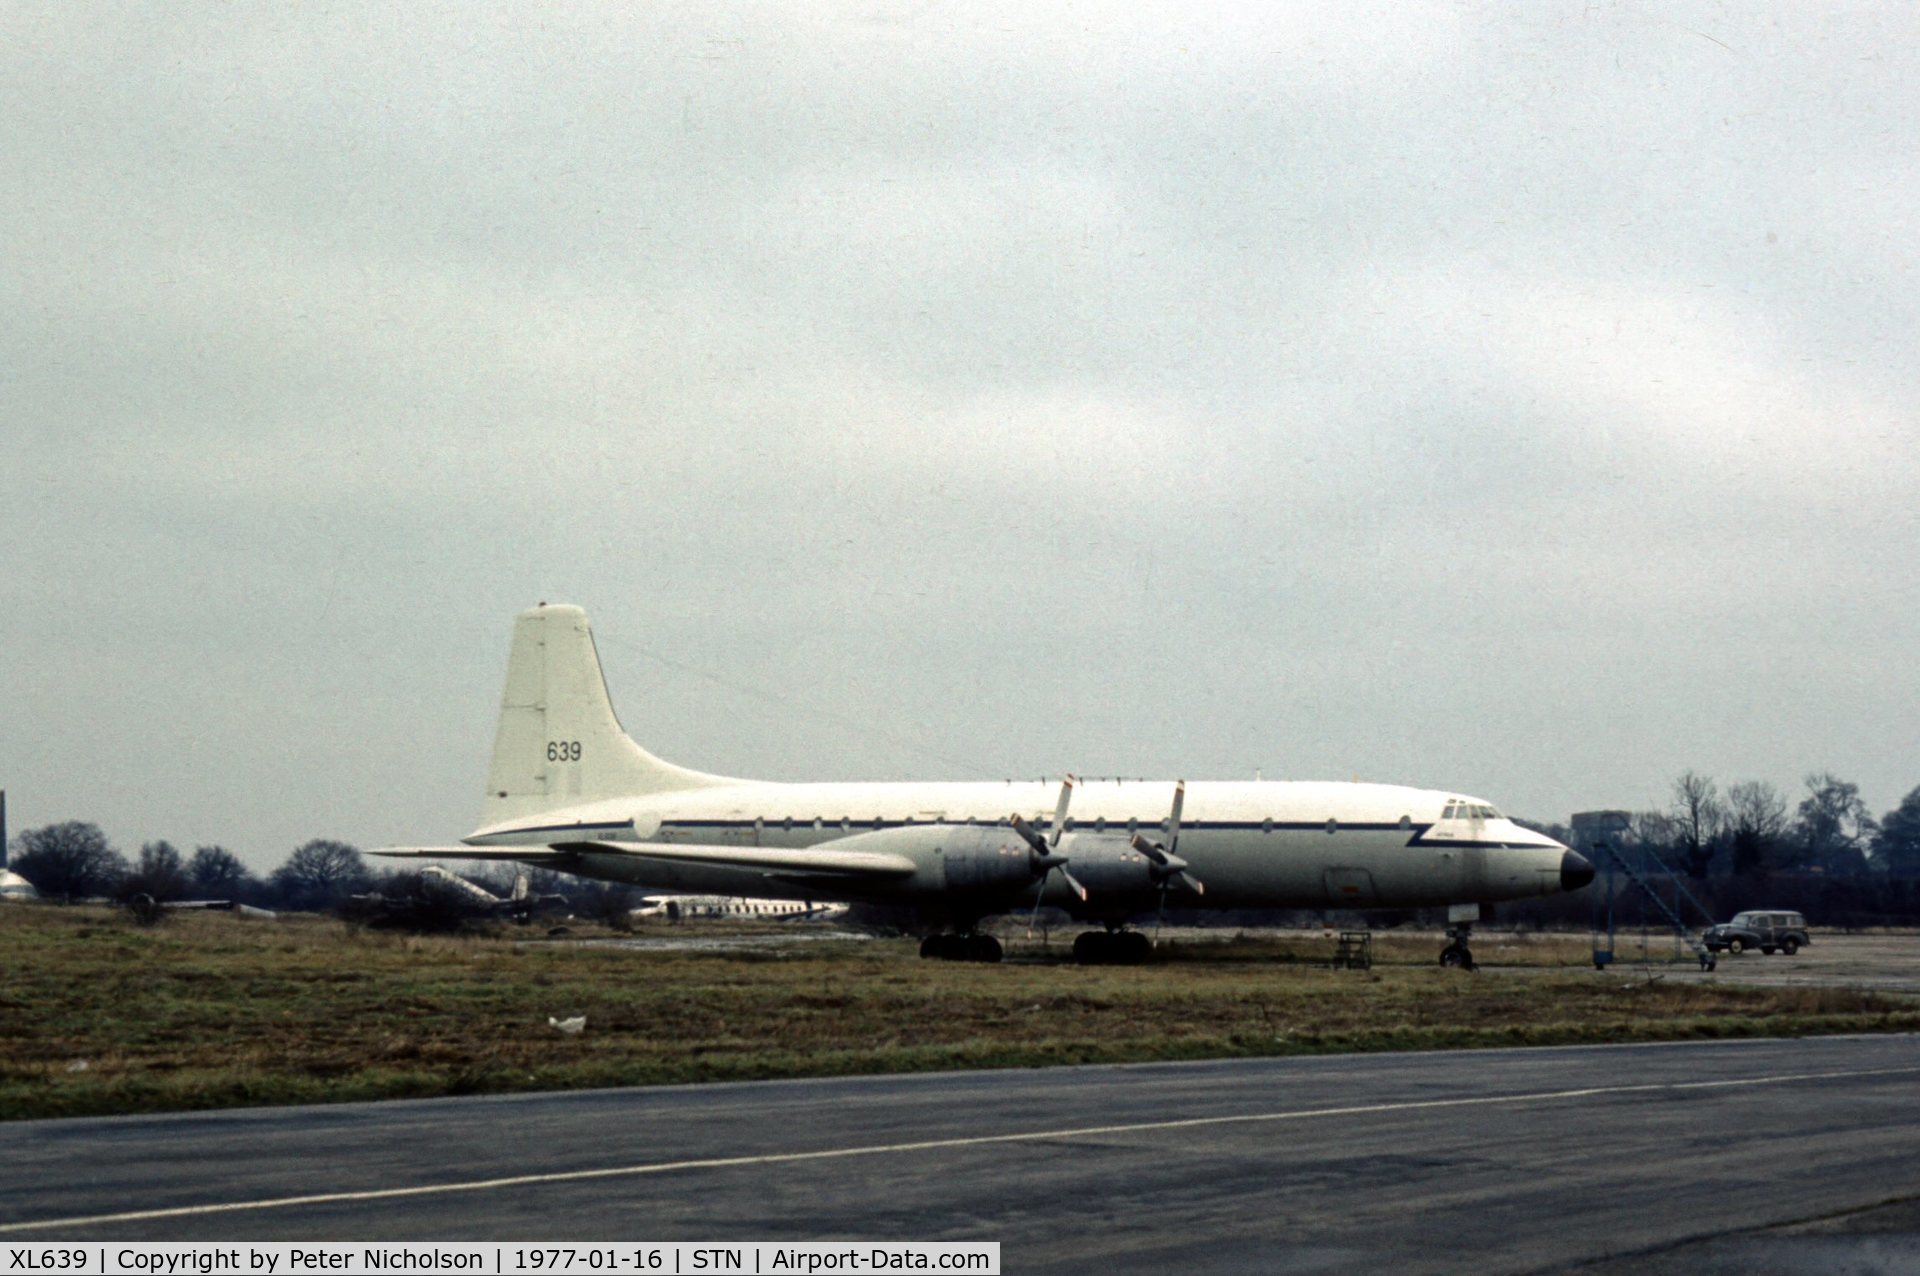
[
  {"x": 216, "y": 871},
  {"x": 69, "y": 861},
  {"x": 1833, "y": 829},
  {"x": 320, "y": 874},
  {"x": 1896, "y": 848},
  {"x": 1698, "y": 816},
  {"x": 160, "y": 873},
  {"x": 1757, "y": 817}
]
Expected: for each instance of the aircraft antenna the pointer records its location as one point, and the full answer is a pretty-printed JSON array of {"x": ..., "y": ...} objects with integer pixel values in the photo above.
[{"x": 791, "y": 705}]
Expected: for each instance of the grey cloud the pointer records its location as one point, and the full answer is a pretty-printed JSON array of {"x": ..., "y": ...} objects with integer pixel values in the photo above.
[{"x": 1511, "y": 400}]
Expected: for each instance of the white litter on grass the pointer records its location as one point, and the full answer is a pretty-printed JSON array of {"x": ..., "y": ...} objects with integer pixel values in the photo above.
[
  {"x": 78, "y": 1065},
  {"x": 571, "y": 1026}
]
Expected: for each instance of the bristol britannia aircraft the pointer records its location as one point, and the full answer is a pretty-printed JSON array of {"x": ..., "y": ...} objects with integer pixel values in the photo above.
[{"x": 570, "y": 790}]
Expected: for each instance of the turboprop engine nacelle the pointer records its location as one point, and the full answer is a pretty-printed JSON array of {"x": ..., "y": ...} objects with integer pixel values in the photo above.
[
  {"x": 1111, "y": 869},
  {"x": 994, "y": 861}
]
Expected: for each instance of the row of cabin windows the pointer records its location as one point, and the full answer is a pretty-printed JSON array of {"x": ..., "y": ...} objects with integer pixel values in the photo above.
[{"x": 846, "y": 823}]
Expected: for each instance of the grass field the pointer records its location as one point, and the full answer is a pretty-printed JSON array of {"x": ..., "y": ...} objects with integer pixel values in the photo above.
[{"x": 101, "y": 1015}]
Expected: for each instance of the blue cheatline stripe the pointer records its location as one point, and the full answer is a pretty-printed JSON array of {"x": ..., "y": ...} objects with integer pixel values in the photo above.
[{"x": 852, "y": 826}]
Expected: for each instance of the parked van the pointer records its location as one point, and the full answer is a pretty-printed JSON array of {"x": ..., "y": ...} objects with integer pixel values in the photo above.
[{"x": 1768, "y": 931}]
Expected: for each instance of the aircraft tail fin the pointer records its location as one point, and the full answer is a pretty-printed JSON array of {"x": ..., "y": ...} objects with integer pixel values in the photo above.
[{"x": 559, "y": 743}]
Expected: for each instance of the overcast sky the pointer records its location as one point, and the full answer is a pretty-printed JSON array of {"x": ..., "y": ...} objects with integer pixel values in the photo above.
[{"x": 1519, "y": 400}]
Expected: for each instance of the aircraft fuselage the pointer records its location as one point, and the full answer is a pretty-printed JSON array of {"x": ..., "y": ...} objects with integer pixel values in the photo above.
[{"x": 1256, "y": 844}]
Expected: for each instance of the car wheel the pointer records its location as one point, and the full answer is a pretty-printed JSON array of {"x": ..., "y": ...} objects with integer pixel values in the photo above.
[
  {"x": 1790, "y": 946},
  {"x": 1736, "y": 945}
]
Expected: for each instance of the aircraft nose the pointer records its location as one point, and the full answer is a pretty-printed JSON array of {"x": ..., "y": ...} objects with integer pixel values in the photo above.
[{"x": 1575, "y": 871}]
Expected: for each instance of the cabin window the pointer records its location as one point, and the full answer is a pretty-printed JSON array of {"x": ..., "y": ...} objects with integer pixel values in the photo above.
[
  {"x": 1406, "y": 823},
  {"x": 1100, "y": 824},
  {"x": 1333, "y": 825},
  {"x": 846, "y": 823},
  {"x": 879, "y": 822},
  {"x": 1266, "y": 825},
  {"x": 1133, "y": 826},
  {"x": 787, "y": 824}
]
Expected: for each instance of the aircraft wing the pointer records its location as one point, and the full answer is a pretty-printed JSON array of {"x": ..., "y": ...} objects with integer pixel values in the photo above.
[
  {"x": 820, "y": 861},
  {"x": 532, "y": 853}
]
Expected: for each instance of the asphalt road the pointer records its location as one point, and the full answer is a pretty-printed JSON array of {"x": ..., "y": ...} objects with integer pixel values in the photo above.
[{"x": 1643, "y": 1158}]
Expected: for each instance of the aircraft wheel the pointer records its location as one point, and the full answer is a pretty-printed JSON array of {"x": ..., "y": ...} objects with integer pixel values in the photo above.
[
  {"x": 982, "y": 948},
  {"x": 1456, "y": 957},
  {"x": 1134, "y": 947},
  {"x": 1091, "y": 948},
  {"x": 930, "y": 946}
]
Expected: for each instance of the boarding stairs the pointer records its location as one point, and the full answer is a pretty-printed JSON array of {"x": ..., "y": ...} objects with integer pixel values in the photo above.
[{"x": 1633, "y": 874}]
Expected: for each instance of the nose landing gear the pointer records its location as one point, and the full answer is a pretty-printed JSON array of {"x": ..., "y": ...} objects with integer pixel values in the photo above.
[{"x": 1456, "y": 955}]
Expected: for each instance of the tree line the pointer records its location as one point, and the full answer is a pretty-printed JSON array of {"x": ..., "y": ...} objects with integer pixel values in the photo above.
[
  {"x": 1751, "y": 829},
  {"x": 74, "y": 860}
]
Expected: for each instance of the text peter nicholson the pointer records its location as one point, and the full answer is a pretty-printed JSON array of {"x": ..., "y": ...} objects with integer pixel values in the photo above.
[{"x": 761, "y": 1258}]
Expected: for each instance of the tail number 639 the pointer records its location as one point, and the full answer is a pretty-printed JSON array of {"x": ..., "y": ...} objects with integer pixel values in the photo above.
[{"x": 563, "y": 750}]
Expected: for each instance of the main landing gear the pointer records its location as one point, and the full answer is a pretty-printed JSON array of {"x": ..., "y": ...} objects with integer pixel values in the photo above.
[
  {"x": 1112, "y": 948},
  {"x": 1456, "y": 955},
  {"x": 966, "y": 946}
]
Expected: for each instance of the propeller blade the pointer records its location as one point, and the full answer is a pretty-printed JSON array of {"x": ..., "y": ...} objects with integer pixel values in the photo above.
[
  {"x": 1033, "y": 919},
  {"x": 1173, "y": 821},
  {"x": 1025, "y": 830},
  {"x": 1149, "y": 849},
  {"x": 1073, "y": 882},
  {"x": 1060, "y": 811},
  {"x": 1189, "y": 881}
]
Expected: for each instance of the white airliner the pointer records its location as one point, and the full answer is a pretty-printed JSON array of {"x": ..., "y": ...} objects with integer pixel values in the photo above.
[{"x": 569, "y": 790}]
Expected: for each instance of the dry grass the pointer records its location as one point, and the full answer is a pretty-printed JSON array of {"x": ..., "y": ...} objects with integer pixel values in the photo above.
[{"x": 210, "y": 1010}]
